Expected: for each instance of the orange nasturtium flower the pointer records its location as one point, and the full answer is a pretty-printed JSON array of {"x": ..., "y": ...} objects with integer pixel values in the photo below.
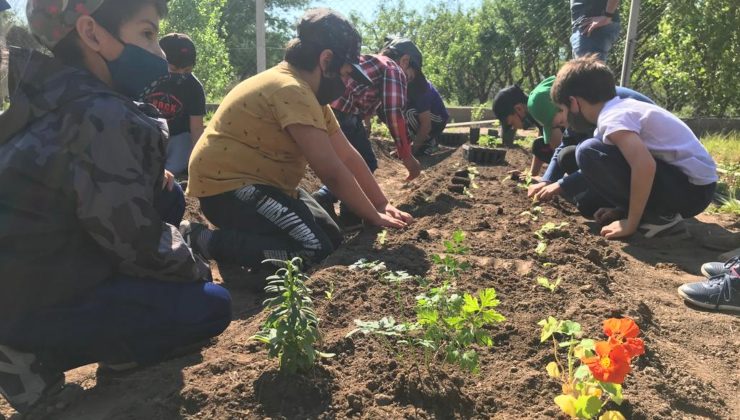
[
  {"x": 610, "y": 364},
  {"x": 624, "y": 332}
]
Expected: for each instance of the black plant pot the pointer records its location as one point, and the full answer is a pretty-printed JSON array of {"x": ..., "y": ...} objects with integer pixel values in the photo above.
[
  {"x": 493, "y": 132},
  {"x": 474, "y": 135}
]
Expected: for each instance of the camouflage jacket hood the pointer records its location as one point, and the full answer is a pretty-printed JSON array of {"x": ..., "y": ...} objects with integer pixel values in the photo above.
[{"x": 80, "y": 166}]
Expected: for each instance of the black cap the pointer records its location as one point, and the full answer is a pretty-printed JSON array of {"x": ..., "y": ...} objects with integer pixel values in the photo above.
[
  {"x": 504, "y": 101},
  {"x": 4, "y": 5},
  {"x": 400, "y": 46},
  {"x": 329, "y": 29},
  {"x": 179, "y": 49}
]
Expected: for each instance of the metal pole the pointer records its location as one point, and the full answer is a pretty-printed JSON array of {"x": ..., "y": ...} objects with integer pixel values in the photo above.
[
  {"x": 630, "y": 43},
  {"x": 260, "y": 29}
]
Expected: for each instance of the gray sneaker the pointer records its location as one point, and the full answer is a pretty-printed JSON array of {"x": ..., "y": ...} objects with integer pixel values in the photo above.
[
  {"x": 21, "y": 383},
  {"x": 721, "y": 292},
  {"x": 716, "y": 268}
]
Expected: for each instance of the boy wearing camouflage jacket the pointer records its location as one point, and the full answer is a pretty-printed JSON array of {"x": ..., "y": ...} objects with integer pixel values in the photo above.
[{"x": 91, "y": 271}]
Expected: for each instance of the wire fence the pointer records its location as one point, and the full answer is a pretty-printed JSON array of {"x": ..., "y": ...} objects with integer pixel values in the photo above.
[{"x": 686, "y": 52}]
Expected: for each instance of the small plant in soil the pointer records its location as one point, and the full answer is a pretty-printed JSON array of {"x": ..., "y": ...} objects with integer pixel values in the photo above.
[
  {"x": 291, "y": 331},
  {"x": 533, "y": 213},
  {"x": 447, "y": 325},
  {"x": 547, "y": 284},
  {"x": 456, "y": 245},
  {"x": 382, "y": 236},
  {"x": 449, "y": 265},
  {"x": 396, "y": 279},
  {"x": 541, "y": 248},
  {"x": 548, "y": 229},
  {"x": 329, "y": 293},
  {"x": 376, "y": 266},
  {"x": 592, "y": 372},
  {"x": 527, "y": 181},
  {"x": 488, "y": 142}
]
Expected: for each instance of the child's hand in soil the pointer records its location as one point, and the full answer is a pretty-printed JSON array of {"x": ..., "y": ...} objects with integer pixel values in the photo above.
[
  {"x": 384, "y": 220},
  {"x": 546, "y": 191},
  {"x": 618, "y": 229},
  {"x": 392, "y": 211}
]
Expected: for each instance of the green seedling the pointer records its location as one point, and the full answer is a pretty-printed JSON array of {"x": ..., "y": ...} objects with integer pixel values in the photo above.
[
  {"x": 291, "y": 331},
  {"x": 488, "y": 142},
  {"x": 457, "y": 244},
  {"x": 447, "y": 324},
  {"x": 533, "y": 214},
  {"x": 330, "y": 292},
  {"x": 382, "y": 236},
  {"x": 376, "y": 266},
  {"x": 527, "y": 181},
  {"x": 549, "y": 228},
  {"x": 548, "y": 265},
  {"x": 449, "y": 265},
  {"x": 544, "y": 282},
  {"x": 467, "y": 192},
  {"x": 541, "y": 248}
]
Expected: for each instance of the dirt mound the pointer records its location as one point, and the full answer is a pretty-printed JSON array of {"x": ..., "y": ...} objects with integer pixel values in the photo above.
[{"x": 691, "y": 369}]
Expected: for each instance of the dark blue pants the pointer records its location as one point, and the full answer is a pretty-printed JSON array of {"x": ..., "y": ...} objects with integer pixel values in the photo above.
[
  {"x": 354, "y": 129},
  {"x": 608, "y": 174},
  {"x": 171, "y": 205},
  {"x": 124, "y": 319}
]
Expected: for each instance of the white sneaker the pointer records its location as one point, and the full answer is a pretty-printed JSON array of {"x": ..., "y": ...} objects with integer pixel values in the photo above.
[{"x": 21, "y": 384}]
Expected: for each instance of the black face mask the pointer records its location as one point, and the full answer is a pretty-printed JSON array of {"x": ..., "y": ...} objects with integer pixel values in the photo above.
[
  {"x": 330, "y": 88},
  {"x": 579, "y": 124}
]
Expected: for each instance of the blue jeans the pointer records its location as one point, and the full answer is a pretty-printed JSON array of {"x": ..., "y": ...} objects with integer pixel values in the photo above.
[
  {"x": 171, "y": 205},
  {"x": 600, "y": 41},
  {"x": 608, "y": 174},
  {"x": 179, "y": 149},
  {"x": 123, "y": 320}
]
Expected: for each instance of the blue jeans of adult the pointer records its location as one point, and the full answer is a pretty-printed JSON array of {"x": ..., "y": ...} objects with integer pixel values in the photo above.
[
  {"x": 354, "y": 129},
  {"x": 600, "y": 41},
  {"x": 609, "y": 175},
  {"x": 179, "y": 148},
  {"x": 171, "y": 204},
  {"x": 124, "y": 319}
]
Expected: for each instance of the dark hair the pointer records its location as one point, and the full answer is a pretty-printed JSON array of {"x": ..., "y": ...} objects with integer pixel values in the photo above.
[
  {"x": 303, "y": 55},
  {"x": 587, "y": 77},
  {"x": 391, "y": 53},
  {"x": 111, "y": 15},
  {"x": 506, "y": 99}
]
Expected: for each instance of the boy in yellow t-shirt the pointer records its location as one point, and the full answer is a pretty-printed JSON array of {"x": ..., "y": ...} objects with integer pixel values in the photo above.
[{"x": 247, "y": 166}]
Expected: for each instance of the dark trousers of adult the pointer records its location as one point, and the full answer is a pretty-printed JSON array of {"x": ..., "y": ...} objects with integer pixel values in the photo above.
[
  {"x": 124, "y": 319},
  {"x": 261, "y": 222},
  {"x": 354, "y": 129},
  {"x": 439, "y": 123},
  {"x": 609, "y": 175},
  {"x": 542, "y": 150}
]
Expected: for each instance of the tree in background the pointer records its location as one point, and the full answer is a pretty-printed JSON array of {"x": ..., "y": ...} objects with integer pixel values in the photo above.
[
  {"x": 201, "y": 19},
  {"x": 238, "y": 30}
]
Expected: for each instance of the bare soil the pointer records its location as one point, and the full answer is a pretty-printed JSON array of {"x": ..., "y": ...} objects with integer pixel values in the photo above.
[{"x": 691, "y": 369}]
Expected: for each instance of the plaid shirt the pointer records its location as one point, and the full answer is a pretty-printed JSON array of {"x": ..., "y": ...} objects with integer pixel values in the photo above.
[{"x": 388, "y": 92}]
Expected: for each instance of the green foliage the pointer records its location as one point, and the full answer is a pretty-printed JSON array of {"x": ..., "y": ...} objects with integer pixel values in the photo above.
[
  {"x": 541, "y": 248},
  {"x": 548, "y": 229},
  {"x": 489, "y": 142},
  {"x": 478, "y": 111},
  {"x": 201, "y": 20},
  {"x": 457, "y": 244},
  {"x": 449, "y": 265},
  {"x": 292, "y": 329},
  {"x": 447, "y": 324},
  {"x": 382, "y": 235},
  {"x": 373, "y": 266},
  {"x": 551, "y": 286}
]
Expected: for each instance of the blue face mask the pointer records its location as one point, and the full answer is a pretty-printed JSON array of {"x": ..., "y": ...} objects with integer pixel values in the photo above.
[{"x": 137, "y": 72}]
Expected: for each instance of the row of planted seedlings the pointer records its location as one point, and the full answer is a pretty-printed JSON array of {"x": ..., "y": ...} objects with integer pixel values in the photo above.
[
  {"x": 590, "y": 372},
  {"x": 449, "y": 325}
]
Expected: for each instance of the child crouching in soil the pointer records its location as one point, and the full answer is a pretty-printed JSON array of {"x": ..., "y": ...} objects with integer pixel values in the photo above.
[
  {"x": 643, "y": 160},
  {"x": 91, "y": 272}
]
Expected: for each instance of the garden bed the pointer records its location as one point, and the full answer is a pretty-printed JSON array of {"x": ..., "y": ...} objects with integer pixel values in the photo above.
[{"x": 690, "y": 369}]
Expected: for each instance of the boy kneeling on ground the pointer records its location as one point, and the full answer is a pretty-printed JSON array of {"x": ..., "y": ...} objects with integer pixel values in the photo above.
[
  {"x": 90, "y": 271},
  {"x": 643, "y": 160}
]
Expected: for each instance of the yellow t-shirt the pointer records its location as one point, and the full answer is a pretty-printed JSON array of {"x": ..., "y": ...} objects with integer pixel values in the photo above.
[{"x": 246, "y": 142}]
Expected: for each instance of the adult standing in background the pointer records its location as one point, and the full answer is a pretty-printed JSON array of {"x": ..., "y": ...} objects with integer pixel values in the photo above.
[{"x": 596, "y": 27}]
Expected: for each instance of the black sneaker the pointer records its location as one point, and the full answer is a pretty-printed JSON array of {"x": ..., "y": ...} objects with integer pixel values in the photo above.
[
  {"x": 662, "y": 226},
  {"x": 721, "y": 292},
  {"x": 21, "y": 383},
  {"x": 716, "y": 268},
  {"x": 190, "y": 232}
]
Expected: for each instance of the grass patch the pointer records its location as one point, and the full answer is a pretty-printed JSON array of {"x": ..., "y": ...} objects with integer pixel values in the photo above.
[{"x": 725, "y": 149}]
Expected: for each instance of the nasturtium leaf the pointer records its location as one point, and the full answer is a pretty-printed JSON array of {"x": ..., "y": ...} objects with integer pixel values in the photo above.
[
  {"x": 553, "y": 370},
  {"x": 585, "y": 348},
  {"x": 549, "y": 327},
  {"x": 612, "y": 415},
  {"x": 582, "y": 373},
  {"x": 587, "y": 406},
  {"x": 567, "y": 404},
  {"x": 614, "y": 391},
  {"x": 570, "y": 328}
]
